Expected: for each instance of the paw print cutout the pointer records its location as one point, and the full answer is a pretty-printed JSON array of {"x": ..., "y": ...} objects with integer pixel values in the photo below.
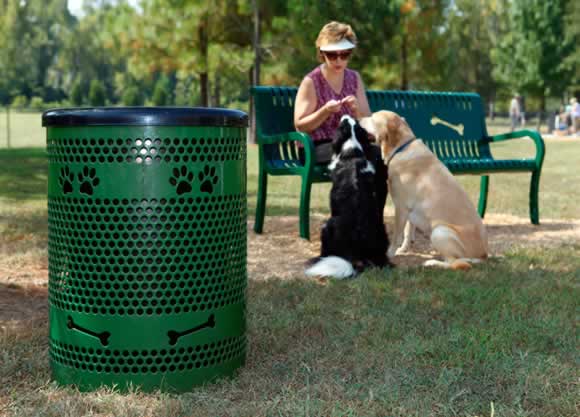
[
  {"x": 182, "y": 179},
  {"x": 66, "y": 179},
  {"x": 208, "y": 179},
  {"x": 88, "y": 180}
]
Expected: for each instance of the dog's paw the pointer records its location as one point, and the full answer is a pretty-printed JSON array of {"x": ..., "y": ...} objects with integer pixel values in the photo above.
[
  {"x": 435, "y": 263},
  {"x": 392, "y": 252}
]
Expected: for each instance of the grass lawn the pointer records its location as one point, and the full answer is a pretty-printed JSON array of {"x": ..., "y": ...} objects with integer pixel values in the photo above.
[
  {"x": 500, "y": 340},
  {"x": 25, "y": 129}
]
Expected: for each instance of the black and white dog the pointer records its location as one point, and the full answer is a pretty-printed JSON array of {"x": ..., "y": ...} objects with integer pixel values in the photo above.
[{"x": 354, "y": 238}]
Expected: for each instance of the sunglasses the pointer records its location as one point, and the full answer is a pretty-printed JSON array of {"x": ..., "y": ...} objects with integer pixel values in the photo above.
[{"x": 333, "y": 56}]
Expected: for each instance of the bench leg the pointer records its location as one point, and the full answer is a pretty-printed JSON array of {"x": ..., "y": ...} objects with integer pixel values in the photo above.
[
  {"x": 534, "y": 191},
  {"x": 483, "y": 189},
  {"x": 305, "y": 208},
  {"x": 261, "y": 201}
]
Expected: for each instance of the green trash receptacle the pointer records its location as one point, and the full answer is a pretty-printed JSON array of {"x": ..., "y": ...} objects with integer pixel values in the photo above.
[{"x": 146, "y": 245}]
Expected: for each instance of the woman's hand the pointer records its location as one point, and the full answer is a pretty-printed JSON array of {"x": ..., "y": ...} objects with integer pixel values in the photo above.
[
  {"x": 351, "y": 102},
  {"x": 332, "y": 106}
]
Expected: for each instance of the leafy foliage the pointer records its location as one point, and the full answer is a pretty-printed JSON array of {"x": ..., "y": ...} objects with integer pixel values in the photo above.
[
  {"x": 97, "y": 94},
  {"x": 530, "y": 56},
  {"x": 76, "y": 95},
  {"x": 191, "y": 52},
  {"x": 132, "y": 97}
]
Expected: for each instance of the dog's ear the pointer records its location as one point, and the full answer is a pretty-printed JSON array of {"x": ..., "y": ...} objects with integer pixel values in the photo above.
[
  {"x": 341, "y": 135},
  {"x": 394, "y": 123},
  {"x": 362, "y": 136},
  {"x": 368, "y": 124}
]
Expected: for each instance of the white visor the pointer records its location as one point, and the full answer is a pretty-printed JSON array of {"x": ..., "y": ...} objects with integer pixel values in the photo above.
[{"x": 338, "y": 46}]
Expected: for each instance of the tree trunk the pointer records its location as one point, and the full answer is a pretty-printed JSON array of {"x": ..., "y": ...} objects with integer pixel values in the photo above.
[
  {"x": 216, "y": 99},
  {"x": 404, "y": 64},
  {"x": 204, "y": 51},
  {"x": 257, "y": 44},
  {"x": 255, "y": 71}
]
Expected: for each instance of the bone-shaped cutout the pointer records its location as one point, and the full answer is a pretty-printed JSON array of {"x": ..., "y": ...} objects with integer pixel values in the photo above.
[
  {"x": 103, "y": 336},
  {"x": 174, "y": 335},
  {"x": 458, "y": 128}
]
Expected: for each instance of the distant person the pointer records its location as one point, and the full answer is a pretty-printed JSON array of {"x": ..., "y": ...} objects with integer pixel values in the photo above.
[
  {"x": 575, "y": 116},
  {"x": 514, "y": 112},
  {"x": 569, "y": 112},
  {"x": 561, "y": 122}
]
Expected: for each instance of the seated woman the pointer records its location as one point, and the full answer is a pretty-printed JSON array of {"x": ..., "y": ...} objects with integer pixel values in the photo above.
[{"x": 330, "y": 91}]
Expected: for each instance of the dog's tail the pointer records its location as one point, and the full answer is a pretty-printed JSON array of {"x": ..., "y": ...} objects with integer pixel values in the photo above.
[{"x": 330, "y": 266}]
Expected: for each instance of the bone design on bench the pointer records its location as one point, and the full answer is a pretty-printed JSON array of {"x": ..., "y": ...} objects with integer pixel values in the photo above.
[
  {"x": 437, "y": 121},
  {"x": 103, "y": 336},
  {"x": 174, "y": 335}
]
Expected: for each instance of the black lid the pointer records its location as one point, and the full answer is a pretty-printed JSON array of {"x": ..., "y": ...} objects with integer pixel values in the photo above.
[{"x": 144, "y": 116}]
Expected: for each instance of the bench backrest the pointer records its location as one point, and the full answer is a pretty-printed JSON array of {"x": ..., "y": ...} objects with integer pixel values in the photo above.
[
  {"x": 451, "y": 124},
  {"x": 274, "y": 109}
]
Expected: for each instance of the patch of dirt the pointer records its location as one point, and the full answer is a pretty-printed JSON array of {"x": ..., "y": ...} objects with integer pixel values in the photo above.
[
  {"x": 279, "y": 253},
  {"x": 21, "y": 304}
]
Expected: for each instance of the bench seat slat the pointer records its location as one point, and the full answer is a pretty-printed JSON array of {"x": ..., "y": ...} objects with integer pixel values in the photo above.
[{"x": 482, "y": 166}]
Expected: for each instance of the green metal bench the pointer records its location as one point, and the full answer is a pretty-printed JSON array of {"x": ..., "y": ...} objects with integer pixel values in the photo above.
[{"x": 451, "y": 124}]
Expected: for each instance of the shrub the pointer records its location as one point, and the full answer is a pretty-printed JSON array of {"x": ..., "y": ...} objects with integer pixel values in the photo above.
[
  {"x": 20, "y": 102},
  {"x": 76, "y": 94},
  {"x": 132, "y": 97},
  {"x": 97, "y": 93},
  {"x": 36, "y": 103},
  {"x": 160, "y": 94}
]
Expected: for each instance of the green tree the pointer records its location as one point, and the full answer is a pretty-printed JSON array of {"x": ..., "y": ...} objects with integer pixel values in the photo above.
[
  {"x": 132, "y": 97},
  {"x": 531, "y": 55},
  {"x": 471, "y": 31},
  {"x": 161, "y": 93},
  {"x": 89, "y": 51},
  {"x": 416, "y": 53},
  {"x": 76, "y": 94},
  {"x": 572, "y": 36},
  {"x": 204, "y": 40},
  {"x": 97, "y": 93},
  {"x": 30, "y": 40},
  {"x": 290, "y": 45}
]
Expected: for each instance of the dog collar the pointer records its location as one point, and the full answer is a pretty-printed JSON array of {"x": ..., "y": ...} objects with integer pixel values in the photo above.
[{"x": 399, "y": 150}]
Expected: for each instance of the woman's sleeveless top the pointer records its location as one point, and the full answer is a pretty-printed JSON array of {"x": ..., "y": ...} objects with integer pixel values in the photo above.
[{"x": 325, "y": 93}]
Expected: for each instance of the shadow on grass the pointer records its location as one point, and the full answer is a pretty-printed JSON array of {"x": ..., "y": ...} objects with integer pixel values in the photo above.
[
  {"x": 20, "y": 304},
  {"x": 23, "y": 173},
  {"x": 24, "y": 223}
]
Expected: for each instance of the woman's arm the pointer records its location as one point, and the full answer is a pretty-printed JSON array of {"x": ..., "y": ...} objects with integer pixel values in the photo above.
[
  {"x": 364, "y": 109},
  {"x": 306, "y": 117},
  {"x": 358, "y": 103}
]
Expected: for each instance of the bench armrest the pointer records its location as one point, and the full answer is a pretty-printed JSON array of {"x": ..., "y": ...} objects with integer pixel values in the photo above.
[
  {"x": 301, "y": 137},
  {"x": 518, "y": 134}
]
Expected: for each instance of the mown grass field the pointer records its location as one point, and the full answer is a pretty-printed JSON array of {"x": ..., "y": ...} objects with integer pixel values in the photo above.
[{"x": 500, "y": 340}]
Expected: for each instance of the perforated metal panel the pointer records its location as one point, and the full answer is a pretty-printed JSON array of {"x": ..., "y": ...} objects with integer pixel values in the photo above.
[{"x": 147, "y": 254}]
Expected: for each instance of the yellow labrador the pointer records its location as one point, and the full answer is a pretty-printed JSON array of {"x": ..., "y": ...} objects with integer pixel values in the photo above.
[{"x": 426, "y": 195}]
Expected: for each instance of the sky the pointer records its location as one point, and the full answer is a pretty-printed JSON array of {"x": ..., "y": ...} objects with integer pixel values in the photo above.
[{"x": 76, "y": 6}]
